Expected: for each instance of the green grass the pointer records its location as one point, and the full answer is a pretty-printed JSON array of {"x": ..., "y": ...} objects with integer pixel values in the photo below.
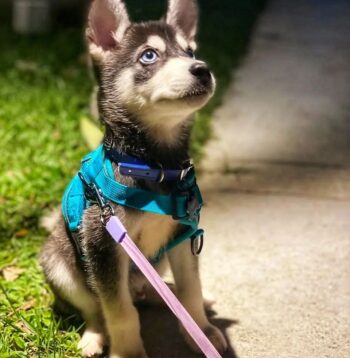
[{"x": 44, "y": 91}]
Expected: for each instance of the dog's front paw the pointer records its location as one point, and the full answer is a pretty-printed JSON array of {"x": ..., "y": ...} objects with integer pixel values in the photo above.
[
  {"x": 91, "y": 344},
  {"x": 216, "y": 338},
  {"x": 214, "y": 335}
]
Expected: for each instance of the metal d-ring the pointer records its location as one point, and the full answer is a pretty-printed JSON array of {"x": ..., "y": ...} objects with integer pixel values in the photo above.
[
  {"x": 196, "y": 247},
  {"x": 162, "y": 174},
  {"x": 185, "y": 171},
  {"x": 183, "y": 174}
]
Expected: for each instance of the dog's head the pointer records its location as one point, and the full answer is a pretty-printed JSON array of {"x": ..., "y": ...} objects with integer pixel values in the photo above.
[{"x": 148, "y": 69}]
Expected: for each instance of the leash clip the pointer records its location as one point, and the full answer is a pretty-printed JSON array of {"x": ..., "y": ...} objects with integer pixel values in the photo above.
[{"x": 94, "y": 194}]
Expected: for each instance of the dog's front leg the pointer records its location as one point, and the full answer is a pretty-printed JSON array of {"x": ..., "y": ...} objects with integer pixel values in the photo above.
[
  {"x": 110, "y": 274},
  {"x": 189, "y": 291}
]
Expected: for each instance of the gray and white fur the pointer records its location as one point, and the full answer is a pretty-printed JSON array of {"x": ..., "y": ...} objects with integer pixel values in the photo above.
[{"x": 150, "y": 85}]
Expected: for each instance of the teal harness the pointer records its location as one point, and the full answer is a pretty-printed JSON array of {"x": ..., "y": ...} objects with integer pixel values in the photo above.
[{"x": 96, "y": 172}]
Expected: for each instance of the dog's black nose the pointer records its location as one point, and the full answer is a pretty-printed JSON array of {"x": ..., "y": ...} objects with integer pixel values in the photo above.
[{"x": 201, "y": 71}]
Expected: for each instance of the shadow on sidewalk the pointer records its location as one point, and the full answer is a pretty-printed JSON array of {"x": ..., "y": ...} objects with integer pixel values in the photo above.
[{"x": 159, "y": 330}]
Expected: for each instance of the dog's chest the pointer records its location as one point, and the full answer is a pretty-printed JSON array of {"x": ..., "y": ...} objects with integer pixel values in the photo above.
[{"x": 151, "y": 232}]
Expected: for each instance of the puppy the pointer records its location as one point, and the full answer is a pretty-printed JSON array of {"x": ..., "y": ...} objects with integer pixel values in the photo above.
[{"x": 150, "y": 85}]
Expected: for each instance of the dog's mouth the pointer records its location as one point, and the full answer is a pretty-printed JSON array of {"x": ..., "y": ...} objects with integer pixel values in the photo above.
[
  {"x": 191, "y": 97},
  {"x": 195, "y": 94},
  {"x": 196, "y": 97}
]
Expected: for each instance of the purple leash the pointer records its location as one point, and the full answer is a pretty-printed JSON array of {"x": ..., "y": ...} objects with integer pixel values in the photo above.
[{"x": 119, "y": 234}]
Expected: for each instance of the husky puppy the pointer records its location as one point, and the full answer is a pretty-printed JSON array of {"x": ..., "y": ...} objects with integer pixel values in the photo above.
[{"x": 150, "y": 85}]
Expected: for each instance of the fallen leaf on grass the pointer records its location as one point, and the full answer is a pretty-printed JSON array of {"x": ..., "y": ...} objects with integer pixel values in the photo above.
[
  {"x": 21, "y": 233},
  {"x": 26, "y": 66},
  {"x": 23, "y": 327},
  {"x": 24, "y": 307},
  {"x": 56, "y": 135},
  {"x": 11, "y": 273},
  {"x": 27, "y": 305}
]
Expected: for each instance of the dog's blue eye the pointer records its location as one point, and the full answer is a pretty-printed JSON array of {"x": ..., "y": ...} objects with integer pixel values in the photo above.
[
  {"x": 190, "y": 53},
  {"x": 149, "y": 57}
]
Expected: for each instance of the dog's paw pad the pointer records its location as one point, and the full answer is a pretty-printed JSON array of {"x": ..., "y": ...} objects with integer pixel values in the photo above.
[{"x": 91, "y": 344}]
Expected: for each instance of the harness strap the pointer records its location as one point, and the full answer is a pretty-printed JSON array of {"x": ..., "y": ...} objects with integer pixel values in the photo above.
[
  {"x": 98, "y": 169},
  {"x": 183, "y": 204}
]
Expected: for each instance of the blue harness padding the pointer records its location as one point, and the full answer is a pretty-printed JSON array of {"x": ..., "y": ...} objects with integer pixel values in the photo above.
[{"x": 183, "y": 204}]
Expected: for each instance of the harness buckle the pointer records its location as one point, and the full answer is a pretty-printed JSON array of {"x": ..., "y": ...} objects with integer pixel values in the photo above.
[
  {"x": 187, "y": 187},
  {"x": 193, "y": 204}
]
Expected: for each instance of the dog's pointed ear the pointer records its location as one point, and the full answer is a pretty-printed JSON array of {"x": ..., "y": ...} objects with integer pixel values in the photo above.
[
  {"x": 107, "y": 22},
  {"x": 183, "y": 16}
]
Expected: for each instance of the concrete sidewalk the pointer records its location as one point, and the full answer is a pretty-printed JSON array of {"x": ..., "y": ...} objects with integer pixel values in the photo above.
[{"x": 277, "y": 188}]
